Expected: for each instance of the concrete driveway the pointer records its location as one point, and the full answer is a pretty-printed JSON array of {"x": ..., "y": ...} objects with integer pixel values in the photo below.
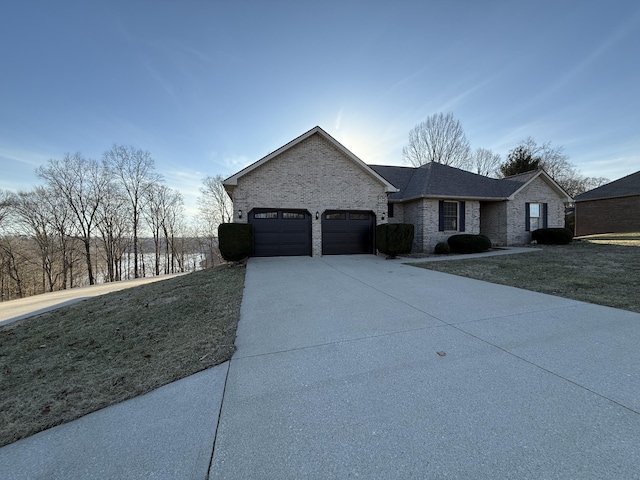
[{"x": 358, "y": 367}]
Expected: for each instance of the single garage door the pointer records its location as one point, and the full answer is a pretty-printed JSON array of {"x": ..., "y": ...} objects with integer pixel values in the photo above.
[
  {"x": 280, "y": 232},
  {"x": 347, "y": 232}
]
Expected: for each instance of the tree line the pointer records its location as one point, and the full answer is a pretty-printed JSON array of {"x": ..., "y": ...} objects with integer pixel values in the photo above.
[
  {"x": 441, "y": 139},
  {"x": 86, "y": 222}
]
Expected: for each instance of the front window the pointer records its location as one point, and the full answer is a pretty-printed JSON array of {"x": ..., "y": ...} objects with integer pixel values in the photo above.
[
  {"x": 293, "y": 216},
  {"x": 266, "y": 215},
  {"x": 535, "y": 210},
  {"x": 450, "y": 216}
]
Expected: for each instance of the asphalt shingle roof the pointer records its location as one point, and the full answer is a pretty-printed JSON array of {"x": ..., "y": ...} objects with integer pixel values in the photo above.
[
  {"x": 438, "y": 180},
  {"x": 623, "y": 187}
]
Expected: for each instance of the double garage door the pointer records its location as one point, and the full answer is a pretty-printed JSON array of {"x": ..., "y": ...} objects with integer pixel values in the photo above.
[{"x": 288, "y": 232}]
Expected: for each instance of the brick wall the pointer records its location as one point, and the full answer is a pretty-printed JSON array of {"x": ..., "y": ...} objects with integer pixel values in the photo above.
[
  {"x": 608, "y": 216},
  {"x": 493, "y": 221},
  {"x": 538, "y": 191},
  {"x": 312, "y": 175},
  {"x": 412, "y": 213},
  {"x": 398, "y": 213},
  {"x": 424, "y": 214}
]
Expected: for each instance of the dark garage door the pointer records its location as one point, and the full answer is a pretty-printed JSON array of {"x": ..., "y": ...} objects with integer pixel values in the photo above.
[
  {"x": 281, "y": 232},
  {"x": 347, "y": 232}
]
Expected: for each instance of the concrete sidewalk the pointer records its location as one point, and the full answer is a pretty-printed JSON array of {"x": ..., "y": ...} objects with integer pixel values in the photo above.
[
  {"x": 362, "y": 367},
  {"x": 356, "y": 366},
  {"x": 20, "y": 308}
]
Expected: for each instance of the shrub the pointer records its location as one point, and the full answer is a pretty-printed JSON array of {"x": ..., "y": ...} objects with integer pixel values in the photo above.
[
  {"x": 394, "y": 238},
  {"x": 235, "y": 241},
  {"x": 552, "y": 236},
  {"x": 442, "y": 248},
  {"x": 466, "y": 243}
]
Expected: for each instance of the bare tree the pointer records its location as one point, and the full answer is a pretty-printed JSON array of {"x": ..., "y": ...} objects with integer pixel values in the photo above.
[
  {"x": 61, "y": 218},
  {"x": 80, "y": 182},
  {"x": 214, "y": 202},
  {"x": 172, "y": 225},
  {"x": 556, "y": 163},
  {"x": 12, "y": 262},
  {"x": 485, "y": 162},
  {"x": 135, "y": 169},
  {"x": 32, "y": 212},
  {"x": 440, "y": 139},
  {"x": 113, "y": 227},
  {"x": 215, "y": 208},
  {"x": 5, "y": 205},
  {"x": 164, "y": 209},
  {"x": 153, "y": 211}
]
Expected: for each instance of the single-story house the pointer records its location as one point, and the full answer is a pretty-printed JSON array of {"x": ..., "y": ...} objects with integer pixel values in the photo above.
[
  {"x": 610, "y": 208},
  {"x": 312, "y": 196}
]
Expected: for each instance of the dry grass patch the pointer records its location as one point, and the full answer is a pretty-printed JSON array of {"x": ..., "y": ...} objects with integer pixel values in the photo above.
[
  {"x": 598, "y": 270},
  {"x": 64, "y": 364},
  {"x": 623, "y": 239}
]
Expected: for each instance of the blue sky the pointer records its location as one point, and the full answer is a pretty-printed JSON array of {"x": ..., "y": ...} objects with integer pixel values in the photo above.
[{"x": 209, "y": 86}]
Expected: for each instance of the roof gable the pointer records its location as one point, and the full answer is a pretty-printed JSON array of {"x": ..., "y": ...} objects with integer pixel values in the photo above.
[
  {"x": 624, "y": 187},
  {"x": 524, "y": 179},
  {"x": 232, "y": 181}
]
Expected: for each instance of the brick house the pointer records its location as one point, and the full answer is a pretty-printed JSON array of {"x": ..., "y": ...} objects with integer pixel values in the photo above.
[
  {"x": 610, "y": 208},
  {"x": 312, "y": 196}
]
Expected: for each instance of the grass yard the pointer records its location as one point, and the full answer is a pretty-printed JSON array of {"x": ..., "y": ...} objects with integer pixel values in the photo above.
[
  {"x": 63, "y": 364},
  {"x": 601, "y": 269}
]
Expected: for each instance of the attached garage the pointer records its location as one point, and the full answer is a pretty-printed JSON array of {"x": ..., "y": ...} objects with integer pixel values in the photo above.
[
  {"x": 280, "y": 232},
  {"x": 346, "y": 232},
  {"x": 311, "y": 196}
]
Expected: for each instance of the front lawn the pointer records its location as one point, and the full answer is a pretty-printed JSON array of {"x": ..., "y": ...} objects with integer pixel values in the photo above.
[
  {"x": 64, "y": 364},
  {"x": 602, "y": 269}
]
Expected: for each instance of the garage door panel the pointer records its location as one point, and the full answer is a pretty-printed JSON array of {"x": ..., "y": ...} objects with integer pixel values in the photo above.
[
  {"x": 347, "y": 232},
  {"x": 281, "y": 232}
]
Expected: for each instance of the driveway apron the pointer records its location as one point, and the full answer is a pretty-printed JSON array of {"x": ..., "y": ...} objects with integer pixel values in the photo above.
[{"x": 355, "y": 366}]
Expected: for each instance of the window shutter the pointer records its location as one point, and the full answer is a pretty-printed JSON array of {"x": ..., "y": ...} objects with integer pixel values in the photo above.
[
  {"x": 527, "y": 219},
  {"x": 441, "y": 216},
  {"x": 461, "y": 217},
  {"x": 545, "y": 208}
]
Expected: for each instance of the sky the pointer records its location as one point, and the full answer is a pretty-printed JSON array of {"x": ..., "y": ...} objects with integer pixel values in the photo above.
[{"x": 208, "y": 87}]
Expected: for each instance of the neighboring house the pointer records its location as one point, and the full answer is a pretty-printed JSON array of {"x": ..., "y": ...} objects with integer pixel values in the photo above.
[
  {"x": 314, "y": 197},
  {"x": 610, "y": 208}
]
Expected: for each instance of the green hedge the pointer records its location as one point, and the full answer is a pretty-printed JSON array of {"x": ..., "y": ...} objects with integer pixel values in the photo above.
[
  {"x": 442, "y": 248},
  {"x": 552, "y": 236},
  {"x": 394, "y": 238},
  {"x": 235, "y": 241},
  {"x": 467, "y": 243}
]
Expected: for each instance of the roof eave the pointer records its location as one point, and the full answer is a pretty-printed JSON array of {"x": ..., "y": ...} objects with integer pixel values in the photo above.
[
  {"x": 606, "y": 198},
  {"x": 450, "y": 197}
]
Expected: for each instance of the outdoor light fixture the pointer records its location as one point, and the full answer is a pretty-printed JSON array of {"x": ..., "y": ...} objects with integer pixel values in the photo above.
[
  {"x": 239, "y": 213},
  {"x": 383, "y": 217},
  {"x": 317, "y": 215}
]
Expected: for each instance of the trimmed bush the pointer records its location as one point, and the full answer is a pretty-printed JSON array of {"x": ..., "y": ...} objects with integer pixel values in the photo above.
[
  {"x": 394, "y": 238},
  {"x": 235, "y": 241},
  {"x": 466, "y": 243},
  {"x": 442, "y": 248},
  {"x": 552, "y": 236}
]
